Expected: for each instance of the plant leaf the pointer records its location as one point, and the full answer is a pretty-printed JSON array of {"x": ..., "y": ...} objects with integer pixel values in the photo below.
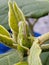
[
  {"x": 21, "y": 63},
  {"x": 7, "y": 41},
  {"x": 12, "y": 19},
  {"x": 18, "y": 13},
  {"x": 23, "y": 42},
  {"x": 34, "y": 8},
  {"x": 23, "y": 35},
  {"x": 34, "y": 56},
  {"x": 10, "y": 58},
  {"x": 45, "y": 56},
  {"x": 4, "y": 13},
  {"x": 3, "y": 31}
]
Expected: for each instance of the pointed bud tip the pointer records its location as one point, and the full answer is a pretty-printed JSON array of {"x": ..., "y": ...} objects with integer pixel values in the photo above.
[{"x": 9, "y": 2}]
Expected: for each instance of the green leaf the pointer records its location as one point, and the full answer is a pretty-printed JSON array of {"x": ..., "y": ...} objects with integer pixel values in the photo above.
[
  {"x": 21, "y": 63},
  {"x": 4, "y": 13},
  {"x": 47, "y": 62},
  {"x": 34, "y": 8},
  {"x": 7, "y": 41},
  {"x": 45, "y": 56},
  {"x": 12, "y": 19},
  {"x": 23, "y": 42},
  {"x": 3, "y": 31},
  {"x": 18, "y": 12},
  {"x": 10, "y": 58},
  {"x": 15, "y": 15},
  {"x": 34, "y": 56},
  {"x": 23, "y": 35}
]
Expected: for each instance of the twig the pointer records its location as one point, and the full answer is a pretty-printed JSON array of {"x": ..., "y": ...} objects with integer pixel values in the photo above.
[{"x": 43, "y": 38}]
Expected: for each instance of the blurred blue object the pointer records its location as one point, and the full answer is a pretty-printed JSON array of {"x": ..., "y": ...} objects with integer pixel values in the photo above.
[
  {"x": 4, "y": 49},
  {"x": 36, "y": 34}
]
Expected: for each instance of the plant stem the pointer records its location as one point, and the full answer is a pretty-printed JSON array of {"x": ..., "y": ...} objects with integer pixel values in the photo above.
[
  {"x": 32, "y": 25},
  {"x": 43, "y": 38}
]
